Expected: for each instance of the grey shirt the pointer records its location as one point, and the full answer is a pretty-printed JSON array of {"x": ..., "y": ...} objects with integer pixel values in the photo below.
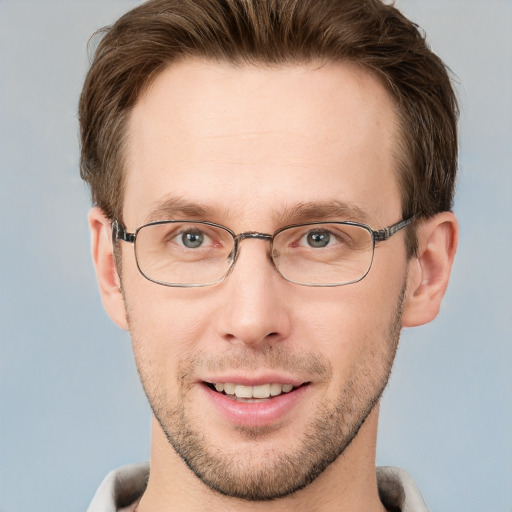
[{"x": 123, "y": 487}]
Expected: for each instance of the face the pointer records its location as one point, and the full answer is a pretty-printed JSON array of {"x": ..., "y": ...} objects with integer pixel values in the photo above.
[{"x": 254, "y": 149}]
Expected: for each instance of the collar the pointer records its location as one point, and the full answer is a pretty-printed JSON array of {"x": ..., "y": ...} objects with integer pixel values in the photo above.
[{"x": 124, "y": 486}]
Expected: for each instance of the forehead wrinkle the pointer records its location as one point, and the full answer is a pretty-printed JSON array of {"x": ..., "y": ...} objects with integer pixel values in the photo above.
[{"x": 323, "y": 210}]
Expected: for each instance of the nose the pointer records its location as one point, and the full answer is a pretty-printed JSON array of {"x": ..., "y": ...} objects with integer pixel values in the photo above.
[{"x": 256, "y": 299}]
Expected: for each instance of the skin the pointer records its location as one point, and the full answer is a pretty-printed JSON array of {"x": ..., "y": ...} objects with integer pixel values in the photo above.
[{"x": 250, "y": 144}]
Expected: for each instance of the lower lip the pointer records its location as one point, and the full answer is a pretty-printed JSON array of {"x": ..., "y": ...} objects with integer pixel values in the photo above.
[{"x": 255, "y": 414}]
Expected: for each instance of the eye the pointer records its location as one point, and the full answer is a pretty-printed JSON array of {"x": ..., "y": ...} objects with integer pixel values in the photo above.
[
  {"x": 318, "y": 238},
  {"x": 192, "y": 238}
]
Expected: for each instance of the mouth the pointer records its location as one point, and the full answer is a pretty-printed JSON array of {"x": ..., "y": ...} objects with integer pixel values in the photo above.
[
  {"x": 253, "y": 394},
  {"x": 256, "y": 401}
]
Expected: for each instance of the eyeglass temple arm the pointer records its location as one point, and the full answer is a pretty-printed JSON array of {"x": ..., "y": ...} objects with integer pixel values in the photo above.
[
  {"x": 119, "y": 233},
  {"x": 384, "y": 234}
]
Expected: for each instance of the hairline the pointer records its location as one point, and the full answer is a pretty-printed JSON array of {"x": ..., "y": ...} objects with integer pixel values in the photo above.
[{"x": 400, "y": 152}]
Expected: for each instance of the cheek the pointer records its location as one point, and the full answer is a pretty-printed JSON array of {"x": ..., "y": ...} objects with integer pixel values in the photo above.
[
  {"x": 343, "y": 317},
  {"x": 352, "y": 324},
  {"x": 166, "y": 324},
  {"x": 163, "y": 337}
]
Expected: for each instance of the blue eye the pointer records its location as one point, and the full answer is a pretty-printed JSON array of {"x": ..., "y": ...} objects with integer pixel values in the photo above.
[
  {"x": 192, "y": 239},
  {"x": 318, "y": 238}
]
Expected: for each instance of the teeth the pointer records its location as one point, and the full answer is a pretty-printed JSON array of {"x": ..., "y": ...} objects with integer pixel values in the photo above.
[
  {"x": 275, "y": 389},
  {"x": 262, "y": 391},
  {"x": 243, "y": 391},
  {"x": 229, "y": 389}
]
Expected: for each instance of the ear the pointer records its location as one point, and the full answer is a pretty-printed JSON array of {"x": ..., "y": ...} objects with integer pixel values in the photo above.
[
  {"x": 429, "y": 270},
  {"x": 106, "y": 271}
]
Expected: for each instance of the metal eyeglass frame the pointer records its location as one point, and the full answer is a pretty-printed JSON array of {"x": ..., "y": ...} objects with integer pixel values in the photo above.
[{"x": 119, "y": 233}]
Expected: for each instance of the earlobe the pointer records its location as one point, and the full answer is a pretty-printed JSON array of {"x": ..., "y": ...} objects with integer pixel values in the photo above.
[
  {"x": 429, "y": 270},
  {"x": 106, "y": 271}
]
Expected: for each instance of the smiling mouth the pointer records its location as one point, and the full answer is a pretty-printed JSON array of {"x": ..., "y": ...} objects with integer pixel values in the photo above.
[{"x": 241, "y": 393}]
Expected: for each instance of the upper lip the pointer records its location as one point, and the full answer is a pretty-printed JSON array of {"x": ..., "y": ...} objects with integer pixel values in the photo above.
[{"x": 253, "y": 380}]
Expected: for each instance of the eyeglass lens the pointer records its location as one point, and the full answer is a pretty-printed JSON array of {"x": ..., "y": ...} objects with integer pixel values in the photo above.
[{"x": 184, "y": 253}]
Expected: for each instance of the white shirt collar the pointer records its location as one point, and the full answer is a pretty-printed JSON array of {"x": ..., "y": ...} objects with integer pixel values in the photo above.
[{"x": 121, "y": 487}]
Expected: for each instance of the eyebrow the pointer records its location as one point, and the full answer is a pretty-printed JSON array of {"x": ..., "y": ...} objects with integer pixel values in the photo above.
[
  {"x": 175, "y": 207},
  {"x": 322, "y": 210},
  {"x": 172, "y": 207}
]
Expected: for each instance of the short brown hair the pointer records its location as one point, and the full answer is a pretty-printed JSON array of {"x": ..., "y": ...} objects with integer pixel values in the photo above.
[{"x": 369, "y": 33}]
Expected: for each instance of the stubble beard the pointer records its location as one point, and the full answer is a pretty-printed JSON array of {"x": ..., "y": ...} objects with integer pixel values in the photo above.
[{"x": 276, "y": 474}]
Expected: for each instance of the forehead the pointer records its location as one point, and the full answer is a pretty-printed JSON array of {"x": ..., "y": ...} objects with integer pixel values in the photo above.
[{"x": 243, "y": 141}]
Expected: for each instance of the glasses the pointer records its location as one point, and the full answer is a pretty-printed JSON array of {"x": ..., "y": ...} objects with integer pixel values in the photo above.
[{"x": 189, "y": 253}]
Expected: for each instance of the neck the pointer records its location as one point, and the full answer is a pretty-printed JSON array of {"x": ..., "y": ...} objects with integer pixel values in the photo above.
[{"x": 348, "y": 484}]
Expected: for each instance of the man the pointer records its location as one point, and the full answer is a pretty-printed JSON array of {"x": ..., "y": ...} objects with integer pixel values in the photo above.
[{"x": 272, "y": 183}]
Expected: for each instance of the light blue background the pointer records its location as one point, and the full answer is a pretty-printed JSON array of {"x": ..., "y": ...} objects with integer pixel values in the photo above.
[{"x": 71, "y": 405}]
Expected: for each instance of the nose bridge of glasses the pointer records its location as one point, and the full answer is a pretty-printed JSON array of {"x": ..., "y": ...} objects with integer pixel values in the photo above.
[{"x": 253, "y": 234}]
